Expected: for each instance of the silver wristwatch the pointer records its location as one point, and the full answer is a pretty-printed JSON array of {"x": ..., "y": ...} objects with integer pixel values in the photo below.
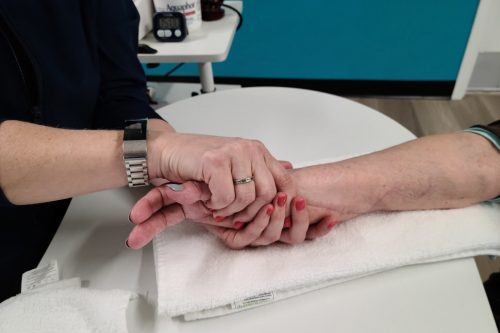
[{"x": 135, "y": 152}]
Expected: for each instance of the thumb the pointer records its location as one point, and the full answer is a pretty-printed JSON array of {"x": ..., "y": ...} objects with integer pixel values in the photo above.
[{"x": 188, "y": 193}]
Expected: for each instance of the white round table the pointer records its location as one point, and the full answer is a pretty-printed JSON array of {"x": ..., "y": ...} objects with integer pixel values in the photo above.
[{"x": 296, "y": 125}]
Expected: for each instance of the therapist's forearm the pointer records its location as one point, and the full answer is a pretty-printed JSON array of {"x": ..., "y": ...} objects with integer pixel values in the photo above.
[
  {"x": 441, "y": 171},
  {"x": 40, "y": 164}
]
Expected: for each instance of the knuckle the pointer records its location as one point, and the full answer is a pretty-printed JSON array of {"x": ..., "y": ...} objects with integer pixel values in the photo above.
[
  {"x": 215, "y": 158},
  {"x": 297, "y": 239},
  {"x": 257, "y": 144},
  {"x": 245, "y": 198},
  {"x": 164, "y": 219},
  {"x": 253, "y": 233},
  {"x": 238, "y": 145},
  {"x": 274, "y": 238},
  {"x": 242, "y": 217},
  {"x": 270, "y": 238},
  {"x": 226, "y": 199},
  {"x": 229, "y": 240},
  {"x": 248, "y": 145},
  {"x": 267, "y": 194}
]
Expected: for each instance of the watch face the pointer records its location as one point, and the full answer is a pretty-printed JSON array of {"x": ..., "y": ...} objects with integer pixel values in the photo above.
[{"x": 135, "y": 129}]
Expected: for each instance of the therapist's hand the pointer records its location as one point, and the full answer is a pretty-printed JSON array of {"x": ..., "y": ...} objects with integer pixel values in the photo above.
[
  {"x": 163, "y": 207},
  {"x": 217, "y": 161},
  {"x": 160, "y": 209}
]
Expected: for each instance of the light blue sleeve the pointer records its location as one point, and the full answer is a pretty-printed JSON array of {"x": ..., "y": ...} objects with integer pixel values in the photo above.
[{"x": 495, "y": 140}]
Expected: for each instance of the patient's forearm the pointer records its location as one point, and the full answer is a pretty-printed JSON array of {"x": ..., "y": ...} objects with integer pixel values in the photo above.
[{"x": 441, "y": 171}]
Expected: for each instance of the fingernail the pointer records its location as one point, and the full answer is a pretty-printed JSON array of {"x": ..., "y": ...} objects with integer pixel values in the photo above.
[
  {"x": 300, "y": 204},
  {"x": 288, "y": 222},
  {"x": 238, "y": 225},
  {"x": 219, "y": 219},
  {"x": 282, "y": 199},
  {"x": 270, "y": 210},
  {"x": 175, "y": 187},
  {"x": 126, "y": 244},
  {"x": 129, "y": 219}
]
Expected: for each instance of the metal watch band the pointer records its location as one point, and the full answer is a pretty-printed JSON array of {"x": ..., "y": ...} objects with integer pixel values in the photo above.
[
  {"x": 135, "y": 152},
  {"x": 137, "y": 172}
]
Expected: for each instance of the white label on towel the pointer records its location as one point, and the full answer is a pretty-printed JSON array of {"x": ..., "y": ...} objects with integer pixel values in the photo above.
[
  {"x": 253, "y": 301},
  {"x": 40, "y": 276}
]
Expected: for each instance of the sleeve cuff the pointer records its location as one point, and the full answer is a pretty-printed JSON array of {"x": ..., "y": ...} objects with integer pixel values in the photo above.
[
  {"x": 495, "y": 140},
  {"x": 491, "y": 137},
  {"x": 113, "y": 115},
  {"x": 4, "y": 202}
]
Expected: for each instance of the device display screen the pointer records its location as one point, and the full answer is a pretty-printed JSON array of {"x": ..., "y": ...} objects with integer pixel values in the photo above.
[{"x": 169, "y": 23}]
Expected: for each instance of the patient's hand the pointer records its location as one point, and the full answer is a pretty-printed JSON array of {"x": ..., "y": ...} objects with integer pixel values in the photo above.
[
  {"x": 163, "y": 207},
  {"x": 303, "y": 223}
]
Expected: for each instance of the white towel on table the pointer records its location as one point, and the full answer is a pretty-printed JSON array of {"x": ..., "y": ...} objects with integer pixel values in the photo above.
[
  {"x": 68, "y": 310},
  {"x": 198, "y": 277}
]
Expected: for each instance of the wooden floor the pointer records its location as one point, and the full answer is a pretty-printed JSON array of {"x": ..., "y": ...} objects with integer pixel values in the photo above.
[{"x": 432, "y": 116}]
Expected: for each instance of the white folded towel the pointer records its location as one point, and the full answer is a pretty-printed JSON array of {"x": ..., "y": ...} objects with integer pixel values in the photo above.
[
  {"x": 75, "y": 310},
  {"x": 198, "y": 277}
]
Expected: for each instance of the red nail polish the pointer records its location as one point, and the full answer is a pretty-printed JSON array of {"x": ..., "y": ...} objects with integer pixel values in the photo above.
[
  {"x": 288, "y": 222},
  {"x": 300, "y": 204},
  {"x": 219, "y": 219},
  {"x": 238, "y": 225},
  {"x": 282, "y": 200},
  {"x": 270, "y": 210}
]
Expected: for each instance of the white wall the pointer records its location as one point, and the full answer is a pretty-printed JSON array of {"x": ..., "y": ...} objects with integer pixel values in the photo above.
[{"x": 484, "y": 38}]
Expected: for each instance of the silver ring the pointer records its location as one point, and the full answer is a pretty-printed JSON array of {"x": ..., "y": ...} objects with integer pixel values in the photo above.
[{"x": 244, "y": 180}]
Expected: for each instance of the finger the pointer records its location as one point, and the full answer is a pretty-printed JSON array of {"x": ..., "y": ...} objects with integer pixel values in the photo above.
[
  {"x": 149, "y": 204},
  {"x": 273, "y": 232},
  {"x": 321, "y": 228},
  {"x": 217, "y": 174},
  {"x": 188, "y": 193},
  {"x": 238, "y": 239},
  {"x": 264, "y": 184},
  {"x": 159, "y": 197},
  {"x": 265, "y": 193},
  {"x": 296, "y": 234},
  {"x": 244, "y": 193},
  {"x": 143, "y": 233},
  {"x": 282, "y": 177},
  {"x": 286, "y": 164}
]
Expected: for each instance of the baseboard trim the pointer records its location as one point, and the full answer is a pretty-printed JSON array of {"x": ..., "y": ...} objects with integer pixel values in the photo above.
[{"x": 338, "y": 87}]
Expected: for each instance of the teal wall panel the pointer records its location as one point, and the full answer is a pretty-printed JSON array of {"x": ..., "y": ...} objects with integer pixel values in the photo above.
[{"x": 351, "y": 40}]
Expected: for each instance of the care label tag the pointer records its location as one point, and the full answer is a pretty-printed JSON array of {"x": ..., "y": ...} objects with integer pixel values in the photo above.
[
  {"x": 253, "y": 301},
  {"x": 40, "y": 276}
]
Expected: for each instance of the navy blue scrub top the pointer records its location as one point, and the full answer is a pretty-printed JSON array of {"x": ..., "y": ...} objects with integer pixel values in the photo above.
[{"x": 70, "y": 64}]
